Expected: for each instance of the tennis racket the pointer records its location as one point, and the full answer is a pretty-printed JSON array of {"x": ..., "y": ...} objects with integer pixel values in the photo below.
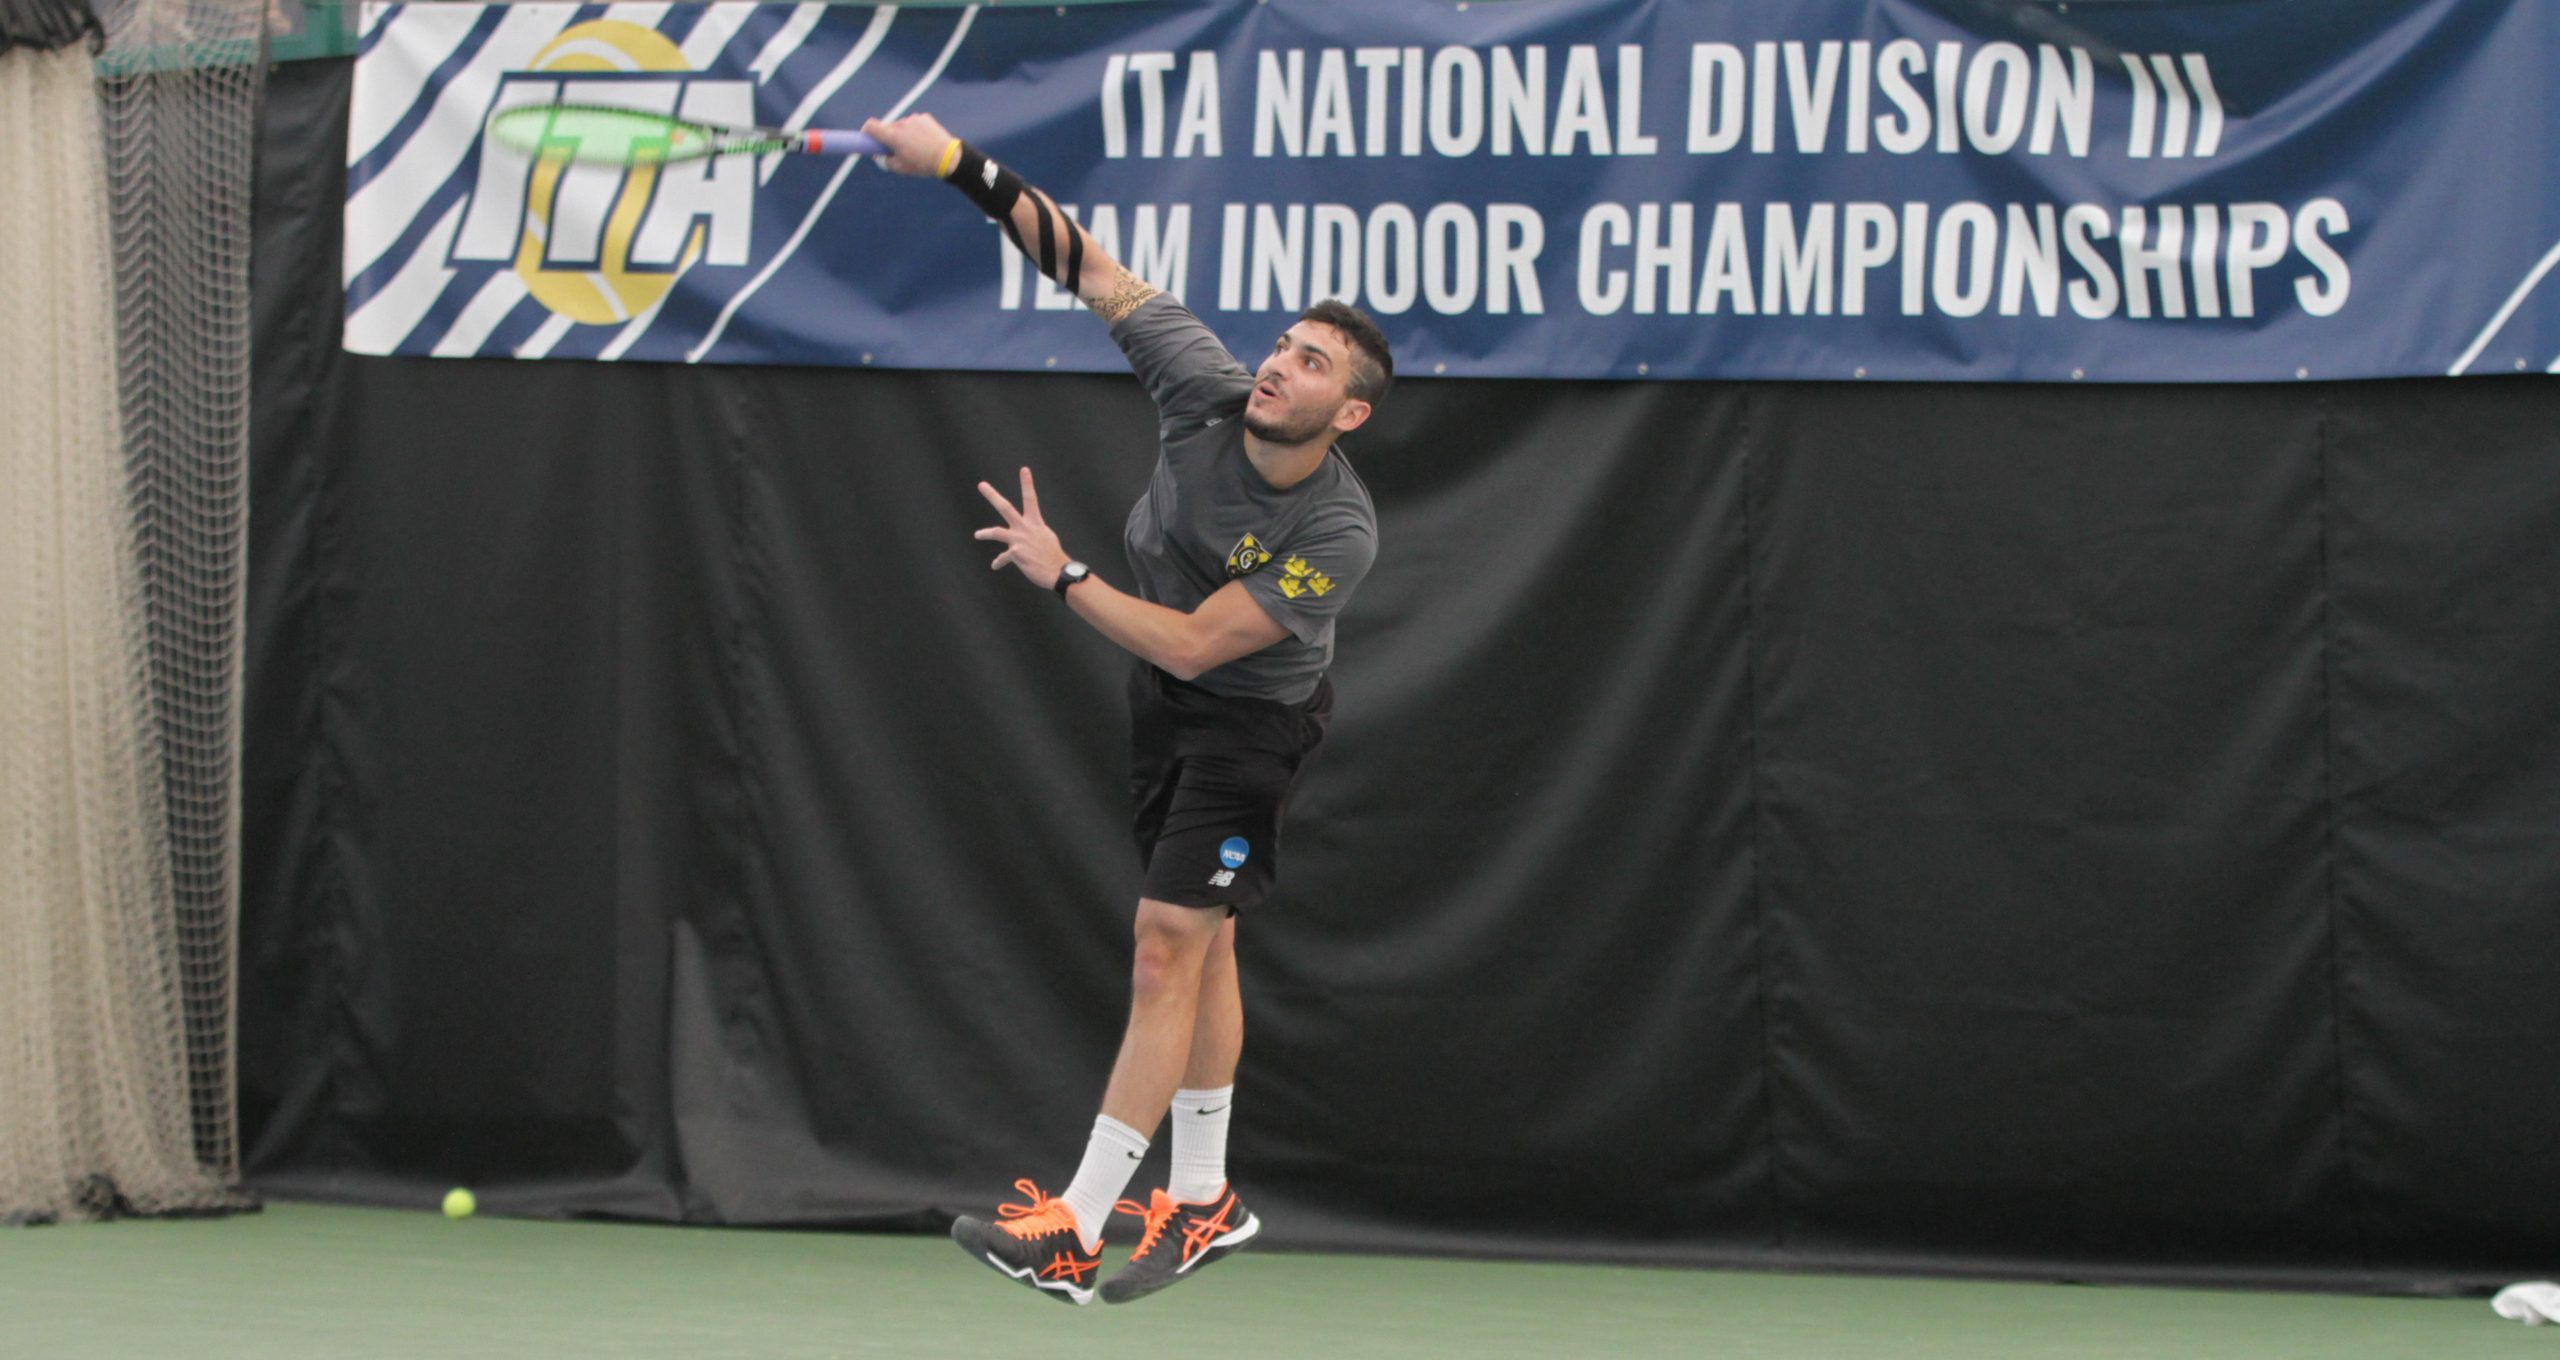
[{"x": 603, "y": 134}]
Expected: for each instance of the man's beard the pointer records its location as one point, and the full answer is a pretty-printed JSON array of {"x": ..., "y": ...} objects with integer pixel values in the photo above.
[{"x": 1275, "y": 432}]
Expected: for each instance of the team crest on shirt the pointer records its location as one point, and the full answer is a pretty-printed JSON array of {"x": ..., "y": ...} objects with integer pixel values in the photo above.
[
  {"x": 1297, "y": 578},
  {"x": 1249, "y": 556}
]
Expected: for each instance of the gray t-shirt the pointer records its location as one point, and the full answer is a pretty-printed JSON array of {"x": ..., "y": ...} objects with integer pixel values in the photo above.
[{"x": 1209, "y": 518}]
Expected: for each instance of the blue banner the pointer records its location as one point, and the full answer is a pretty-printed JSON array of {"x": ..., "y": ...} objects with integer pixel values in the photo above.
[{"x": 2256, "y": 190}]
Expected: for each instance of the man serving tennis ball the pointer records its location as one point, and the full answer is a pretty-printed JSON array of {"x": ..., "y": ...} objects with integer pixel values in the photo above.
[{"x": 1250, "y": 538}]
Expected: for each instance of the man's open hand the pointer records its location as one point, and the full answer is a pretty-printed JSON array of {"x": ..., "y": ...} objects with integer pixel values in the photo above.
[{"x": 1029, "y": 543}]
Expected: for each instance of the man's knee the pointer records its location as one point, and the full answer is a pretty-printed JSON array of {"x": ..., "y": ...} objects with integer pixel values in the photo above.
[{"x": 1172, "y": 944}]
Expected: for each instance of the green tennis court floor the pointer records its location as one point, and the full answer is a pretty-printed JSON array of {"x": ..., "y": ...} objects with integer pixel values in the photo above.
[{"x": 357, "y": 1284}]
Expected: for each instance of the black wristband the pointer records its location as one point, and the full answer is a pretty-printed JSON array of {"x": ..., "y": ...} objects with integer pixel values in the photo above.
[{"x": 987, "y": 183}]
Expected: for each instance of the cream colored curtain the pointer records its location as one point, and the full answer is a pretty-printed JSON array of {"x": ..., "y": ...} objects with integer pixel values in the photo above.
[{"x": 94, "y": 1099}]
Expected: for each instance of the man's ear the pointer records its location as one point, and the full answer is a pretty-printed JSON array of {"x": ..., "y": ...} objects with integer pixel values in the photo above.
[{"x": 1351, "y": 415}]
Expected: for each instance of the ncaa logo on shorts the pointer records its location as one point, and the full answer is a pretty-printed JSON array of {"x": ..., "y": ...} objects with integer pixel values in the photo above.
[{"x": 1231, "y": 854}]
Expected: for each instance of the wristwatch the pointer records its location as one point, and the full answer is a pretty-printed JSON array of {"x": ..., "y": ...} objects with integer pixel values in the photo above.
[{"x": 1070, "y": 574}]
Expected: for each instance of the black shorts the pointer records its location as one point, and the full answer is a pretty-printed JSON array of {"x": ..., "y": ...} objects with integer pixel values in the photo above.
[{"x": 1210, "y": 775}]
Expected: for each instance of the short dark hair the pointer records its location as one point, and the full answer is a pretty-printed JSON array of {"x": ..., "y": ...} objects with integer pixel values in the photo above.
[{"x": 1373, "y": 368}]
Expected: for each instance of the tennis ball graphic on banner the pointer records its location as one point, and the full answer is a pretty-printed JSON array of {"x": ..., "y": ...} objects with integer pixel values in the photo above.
[{"x": 579, "y": 272}]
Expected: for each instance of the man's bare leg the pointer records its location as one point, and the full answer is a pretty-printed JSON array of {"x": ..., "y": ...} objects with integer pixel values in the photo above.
[
  {"x": 1055, "y": 1245},
  {"x": 1202, "y": 1107},
  {"x": 1217, "y": 1029},
  {"x": 1173, "y": 949},
  {"x": 1174, "y": 946},
  {"x": 1197, "y": 1219}
]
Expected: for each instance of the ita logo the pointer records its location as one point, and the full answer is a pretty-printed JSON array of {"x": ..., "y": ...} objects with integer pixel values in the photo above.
[
  {"x": 601, "y": 244},
  {"x": 1232, "y": 854}
]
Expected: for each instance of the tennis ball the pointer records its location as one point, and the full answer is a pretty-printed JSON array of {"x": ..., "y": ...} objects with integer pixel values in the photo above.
[{"x": 459, "y": 1203}]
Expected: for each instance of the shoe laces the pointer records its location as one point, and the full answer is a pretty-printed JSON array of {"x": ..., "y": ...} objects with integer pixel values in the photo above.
[
  {"x": 1041, "y": 1217},
  {"x": 1157, "y": 1211}
]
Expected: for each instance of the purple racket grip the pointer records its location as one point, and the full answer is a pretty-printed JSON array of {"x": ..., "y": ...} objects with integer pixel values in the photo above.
[{"x": 840, "y": 142}]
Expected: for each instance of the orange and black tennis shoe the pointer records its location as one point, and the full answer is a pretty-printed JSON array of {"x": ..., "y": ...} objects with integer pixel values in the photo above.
[
  {"x": 1180, "y": 1238},
  {"x": 1036, "y": 1243}
]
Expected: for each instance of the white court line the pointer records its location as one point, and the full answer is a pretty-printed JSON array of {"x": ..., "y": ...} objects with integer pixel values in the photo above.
[
  {"x": 694, "y": 355},
  {"x": 2496, "y": 323}
]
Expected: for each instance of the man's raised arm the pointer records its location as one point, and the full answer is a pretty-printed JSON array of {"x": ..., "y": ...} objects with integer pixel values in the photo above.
[{"x": 920, "y": 145}]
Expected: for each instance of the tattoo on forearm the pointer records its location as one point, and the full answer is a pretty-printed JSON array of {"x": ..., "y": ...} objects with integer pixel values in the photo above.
[{"x": 1121, "y": 301}]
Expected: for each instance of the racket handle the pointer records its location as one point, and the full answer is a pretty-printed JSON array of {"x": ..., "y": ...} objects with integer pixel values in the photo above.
[{"x": 840, "y": 142}]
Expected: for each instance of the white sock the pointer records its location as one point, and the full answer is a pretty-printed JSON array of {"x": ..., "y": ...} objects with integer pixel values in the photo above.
[
  {"x": 1110, "y": 1159},
  {"x": 1200, "y": 1143}
]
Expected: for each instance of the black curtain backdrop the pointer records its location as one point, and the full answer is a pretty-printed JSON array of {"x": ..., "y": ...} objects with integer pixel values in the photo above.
[
  {"x": 47, "y": 25},
  {"x": 2097, "y": 832}
]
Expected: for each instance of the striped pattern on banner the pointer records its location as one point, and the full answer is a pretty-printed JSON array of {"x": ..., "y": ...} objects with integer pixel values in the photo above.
[{"x": 430, "y": 74}]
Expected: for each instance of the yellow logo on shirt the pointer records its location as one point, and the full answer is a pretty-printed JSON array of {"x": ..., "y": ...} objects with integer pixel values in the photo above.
[
  {"x": 1297, "y": 578},
  {"x": 1248, "y": 557}
]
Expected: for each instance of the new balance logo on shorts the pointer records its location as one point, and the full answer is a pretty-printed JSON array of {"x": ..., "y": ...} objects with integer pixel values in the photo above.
[{"x": 1232, "y": 853}]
